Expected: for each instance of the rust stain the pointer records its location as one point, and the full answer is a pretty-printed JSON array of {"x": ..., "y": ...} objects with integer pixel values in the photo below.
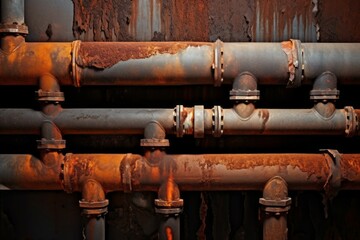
[
  {"x": 97, "y": 20},
  {"x": 106, "y": 55},
  {"x": 288, "y": 48},
  {"x": 169, "y": 233},
  {"x": 312, "y": 164},
  {"x": 278, "y": 20},
  {"x": 339, "y": 21},
  {"x": 264, "y": 114},
  {"x": 350, "y": 167},
  {"x": 187, "y": 120}
]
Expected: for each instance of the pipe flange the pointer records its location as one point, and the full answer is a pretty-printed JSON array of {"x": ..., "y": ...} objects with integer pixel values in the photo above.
[
  {"x": 154, "y": 142},
  {"x": 51, "y": 144},
  {"x": 218, "y": 65},
  {"x": 14, "y": 28},
  {"x": 324, "y": 94},
  {"x": 275, "y": 206},
  {"x": 169, "y": 204},
  {"x": 75, "y": 70},
  {"x": 217, "y": 121},
  {"x": 351, "y": 117},
  {"x": 50, "y": 96},
  {"x": 168, "y": 211},
  {"x": 93, "y": 205},
  {"x": 246, "y": 95},
  {"x": 179, "y": 127}
]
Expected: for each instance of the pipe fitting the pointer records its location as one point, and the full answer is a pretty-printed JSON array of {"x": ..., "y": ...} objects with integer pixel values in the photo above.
[
  {"x": 93, "y": 200},
  {"x": 245, "y": 88},
  {"x": 326, "y": 110},
  {"x": 275, "y": 198},
  {"x": 244, "y": 110},
  {"x": 324, "y": 88},
  {"x": 49, "y": 89},
  {"x": 12, "y": 17},
  {"x": 10, "y": 43},
  {"x": 154, "y": 136},
  {"x": 51, "y": 137}
]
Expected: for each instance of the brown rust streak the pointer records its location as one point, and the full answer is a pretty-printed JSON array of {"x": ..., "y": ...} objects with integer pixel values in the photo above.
[
  {"x": 105, "y": 55},
  {"x": 313, "y": 164},
  {"x": 350, "y": 167}
]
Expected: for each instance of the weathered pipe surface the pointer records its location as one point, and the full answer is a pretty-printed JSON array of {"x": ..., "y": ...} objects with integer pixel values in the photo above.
[
  {"x": 161, "y": 63},
  {"x": 134, "y": 121},
  {"x": 116, "y": 172},
  {"x": 170, "y": 63},
  {"x": 30, "y": 61},
  {"x": 235, "y": 21},
  {"x": 284, "y": 122}
]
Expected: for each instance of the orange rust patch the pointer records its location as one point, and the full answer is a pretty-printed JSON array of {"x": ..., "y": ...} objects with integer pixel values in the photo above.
[
  {"x": 105, "y": 55},
  {"x": 313, "y": 164},
  {"x": 169, "y": 234}
]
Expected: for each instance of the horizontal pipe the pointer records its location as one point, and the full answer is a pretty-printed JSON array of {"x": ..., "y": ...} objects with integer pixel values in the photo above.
[
  {"x": 172, "y": 63},
  {"x": 134, "y": 121},
  {"x": 284, "y": 122},
  {"x": 119, "y": 172}
]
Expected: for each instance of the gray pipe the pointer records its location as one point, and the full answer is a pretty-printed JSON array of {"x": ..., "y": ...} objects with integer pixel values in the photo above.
[
  {"x": 12, "y": 11},
  {"x": 134, "y": 121}
]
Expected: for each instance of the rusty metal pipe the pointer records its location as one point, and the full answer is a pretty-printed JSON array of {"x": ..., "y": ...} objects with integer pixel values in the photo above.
[
  {"x": 12, "y": 11},
  {"x": 284, "y": 122},
  {"x": 172, "y": 63},
  {"x": 118, "y": 172},
  {"x": 275, "y": 206},
  {"x": 134, "y": 121},
  {"x": 86, "y": 121}
]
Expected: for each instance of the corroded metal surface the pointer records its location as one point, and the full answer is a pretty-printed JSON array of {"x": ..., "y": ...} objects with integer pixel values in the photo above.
[{"x": 189, "y": 172}]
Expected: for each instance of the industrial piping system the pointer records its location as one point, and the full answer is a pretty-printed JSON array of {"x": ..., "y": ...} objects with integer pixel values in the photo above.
[{"x": 246, "y": 65}]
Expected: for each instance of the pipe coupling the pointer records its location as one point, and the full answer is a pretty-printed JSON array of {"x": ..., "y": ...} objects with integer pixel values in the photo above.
[
  {"x": 94, "y": 208},
  {"x": 352, "y": 123},
  {"x": 217, "y": 121}
]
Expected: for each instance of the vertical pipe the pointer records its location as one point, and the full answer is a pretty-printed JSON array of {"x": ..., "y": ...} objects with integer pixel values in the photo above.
[
  {"x": 12, "y": 12},
  {"x": 95, "y": 228},
  {"x": 169, "y": 228},
  {"x": 275, "y": 203},
  {"x": 94, "y": 207}
]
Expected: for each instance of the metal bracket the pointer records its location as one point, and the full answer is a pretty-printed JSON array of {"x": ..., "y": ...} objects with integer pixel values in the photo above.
[
  {"x": 218, "y": 65},
  {"x": 333, "y": 181},
  {"x": 218, "y": 121}
]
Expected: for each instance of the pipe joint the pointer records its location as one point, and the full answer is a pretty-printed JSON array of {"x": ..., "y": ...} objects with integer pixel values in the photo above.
[
  {"x": 218, "y": 65},
  {"x": 49, "y": 90},
  {"x": 154, "y": 136},
  {"x": 324, "y": 88},
  {"x": 51, "y": 137},
  {"x": 245, "y": 88},
  {"x": 352, "y": 122},
  {"x": 93, "y": 200},
  {"x": 12, "y": 17},
  {"x": 217, "y": 121},
  {"x": 275, "y": 198},
  {"x": 169, "y": 201}
]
